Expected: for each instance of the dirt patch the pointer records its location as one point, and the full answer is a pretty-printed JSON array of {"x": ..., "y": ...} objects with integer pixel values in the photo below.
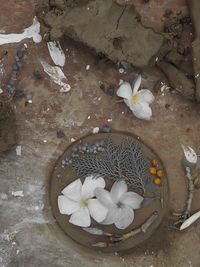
[
  {"x": 107, "y": 27},
  {"x": 7, "y": 126}
]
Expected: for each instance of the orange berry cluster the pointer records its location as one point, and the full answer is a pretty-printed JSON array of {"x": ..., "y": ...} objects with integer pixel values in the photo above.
[{"x": 154, "y": 171}]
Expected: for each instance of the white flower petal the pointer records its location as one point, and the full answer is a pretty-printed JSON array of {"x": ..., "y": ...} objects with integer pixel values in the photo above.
[
  {"x": 131, "y": 199},
  {"x": 66, "y": 205},
  {"x": 141, "y": 110},
  {"x": 90, "y": 184},
  {"x": 117, "y": 190},
  {"x": 190, "y": 154},
  {"x": 124, "y": 217},
  {"x": 104, "y": 197},
  {"x": 81, "y": 217},
  {"x": 125, "y": 90},
  {"x": 111, "y": 216},
  {"x": 145, "y": 95},
  {"x": 136, "y": 84},
  {"x": 97, "y": 211},
  {"x": 73, "y": 190}
]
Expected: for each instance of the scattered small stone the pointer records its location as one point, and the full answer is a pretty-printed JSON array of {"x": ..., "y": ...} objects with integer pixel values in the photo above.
[
  {"x": 19, "y": 150},
  {"x": 19, "y": 193},
  {"x": 88, "y": 117},
  {"x": 66, "y": 88},
  {"x": 121, "y": 70},
  {"x": 37, "y": 75},
  {"x": 109, "y": 120},
  {"x": 105, "y": 129},
  {"x": 1, "y": 91},
  {"x": 87, "y": 67},
  {"x": 60, "y": 134},
  {"x": 110, "y": 90},
  {"x": 30, "y": 101},
  {"x": 95, "y": 130},
  {"x": 73, "y": 140},
  {"x": 19, "y": 93},
  {"x": 45, "y": 141}
]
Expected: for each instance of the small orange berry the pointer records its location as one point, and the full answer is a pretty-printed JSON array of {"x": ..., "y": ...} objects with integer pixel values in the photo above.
[
  {"x": 157, "y": 181},
  {"x": 152, "y": 170},
  {"x": 160, "y": 173},
  {"x": 154, "y": 162}
]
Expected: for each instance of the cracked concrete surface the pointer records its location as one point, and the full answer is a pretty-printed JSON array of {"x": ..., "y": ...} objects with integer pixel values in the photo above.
[{"x": 28, "y": 233}]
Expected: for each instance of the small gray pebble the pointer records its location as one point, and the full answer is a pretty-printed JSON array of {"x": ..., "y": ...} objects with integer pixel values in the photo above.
[
  {"x": 70, "y": 161},
  {"x": 15, "y": 67},
  {"x": 105, "y": 129},
  {"x": 100, "y": 149},
  {"x": 19, "y": 64},
  {"x": 84, "y": 148},
  {"x": 102, "y": 142},
  {"x": 63, "y": 162},
  {"x": 23, "y": 48},
  {"x": 75, "y": 149},
  {"x": 19, "y": 54},
  {"x": 17, "y": 58},
  {"x": 12, "y": 82}
]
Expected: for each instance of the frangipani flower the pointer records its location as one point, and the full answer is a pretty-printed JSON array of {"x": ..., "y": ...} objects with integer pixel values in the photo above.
[
  {"x": 77, "y": 200},
  {"x": 137, "y": 100},
  {"x": 190, "y": 154},
  {"x": 120, "y": 204}
]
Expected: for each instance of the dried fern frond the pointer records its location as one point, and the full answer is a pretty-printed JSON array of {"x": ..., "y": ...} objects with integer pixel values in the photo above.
[{"x": 125, "y": 161}]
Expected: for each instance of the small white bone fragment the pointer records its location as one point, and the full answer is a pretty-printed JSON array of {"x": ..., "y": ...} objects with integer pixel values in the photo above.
[
  {"x": 56, "y": 53},
  {"x": 95, "y": 130},
  {"x": 56, "y": 75},
  {"x": 19, "y": 150},
  {"x": 19, "y": 193},
  {"x": 190, "y": 220},
  {"x": 190, "y": 154},
  {"x": 31, "y": 32}
]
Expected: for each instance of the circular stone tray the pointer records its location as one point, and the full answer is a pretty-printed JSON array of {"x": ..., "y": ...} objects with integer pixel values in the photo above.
[{"x": 61, "y": 177}]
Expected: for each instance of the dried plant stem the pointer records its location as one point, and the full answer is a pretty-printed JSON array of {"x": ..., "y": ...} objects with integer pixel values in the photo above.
[
  {"x": 183, "y": 216},
  {"x": 116, "y": 239}
]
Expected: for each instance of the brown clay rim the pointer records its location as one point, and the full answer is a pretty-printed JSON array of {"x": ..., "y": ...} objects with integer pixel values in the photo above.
[{"x": 86, "y": 239}]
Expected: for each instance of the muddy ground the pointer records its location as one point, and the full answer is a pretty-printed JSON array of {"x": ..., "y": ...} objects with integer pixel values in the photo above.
[{"x": 29, "y": 235}]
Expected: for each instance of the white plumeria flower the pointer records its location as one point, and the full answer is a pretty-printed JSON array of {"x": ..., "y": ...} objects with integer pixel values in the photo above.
[
  {"x": 137, "y": 100},
  {"x": 77, "y": 200},
  {"x": 190, "y": 154},
  {"x": 120, "y": 204}
]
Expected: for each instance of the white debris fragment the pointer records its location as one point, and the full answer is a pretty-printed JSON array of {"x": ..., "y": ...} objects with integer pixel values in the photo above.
[
  {"x": 109, "y": 120},
  {"x": 164, "y": 87},
  {"x": 197, "y": 75},
  {"x": 121, "y": 70},
  {"x": 56, "y": 53},
  {"x": 19, "y": 150},
  {"x": 121, "y": 81},
  {"x": 95, "y": 130},
  {"x": 45, "y": 141},
  {"x": 88, "y": 117},
  {"x": 19, "y": 193},
  {"x": 3, "y": 196},
  {"x": 65, "y": 90},
  {"x": 87, "y": 67},
  {"x": 31, "y": 32},
  {"x": 56, "y": 75},
  {"x": 190, "y": 154},
  {"x": 1, "y": 91},
  {"x": 30, "y": 101},
  {"x": 73, "y": 140}
]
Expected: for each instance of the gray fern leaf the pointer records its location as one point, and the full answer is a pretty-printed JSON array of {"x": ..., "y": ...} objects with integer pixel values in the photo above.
[{"x": 125, "y": 161}]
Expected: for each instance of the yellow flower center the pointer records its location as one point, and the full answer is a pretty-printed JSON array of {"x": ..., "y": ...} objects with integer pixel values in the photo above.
[
  {"x": 84, "y": 202},
  {"x": 120, "y": 205},
  {"x": 135, "y": 98}
]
